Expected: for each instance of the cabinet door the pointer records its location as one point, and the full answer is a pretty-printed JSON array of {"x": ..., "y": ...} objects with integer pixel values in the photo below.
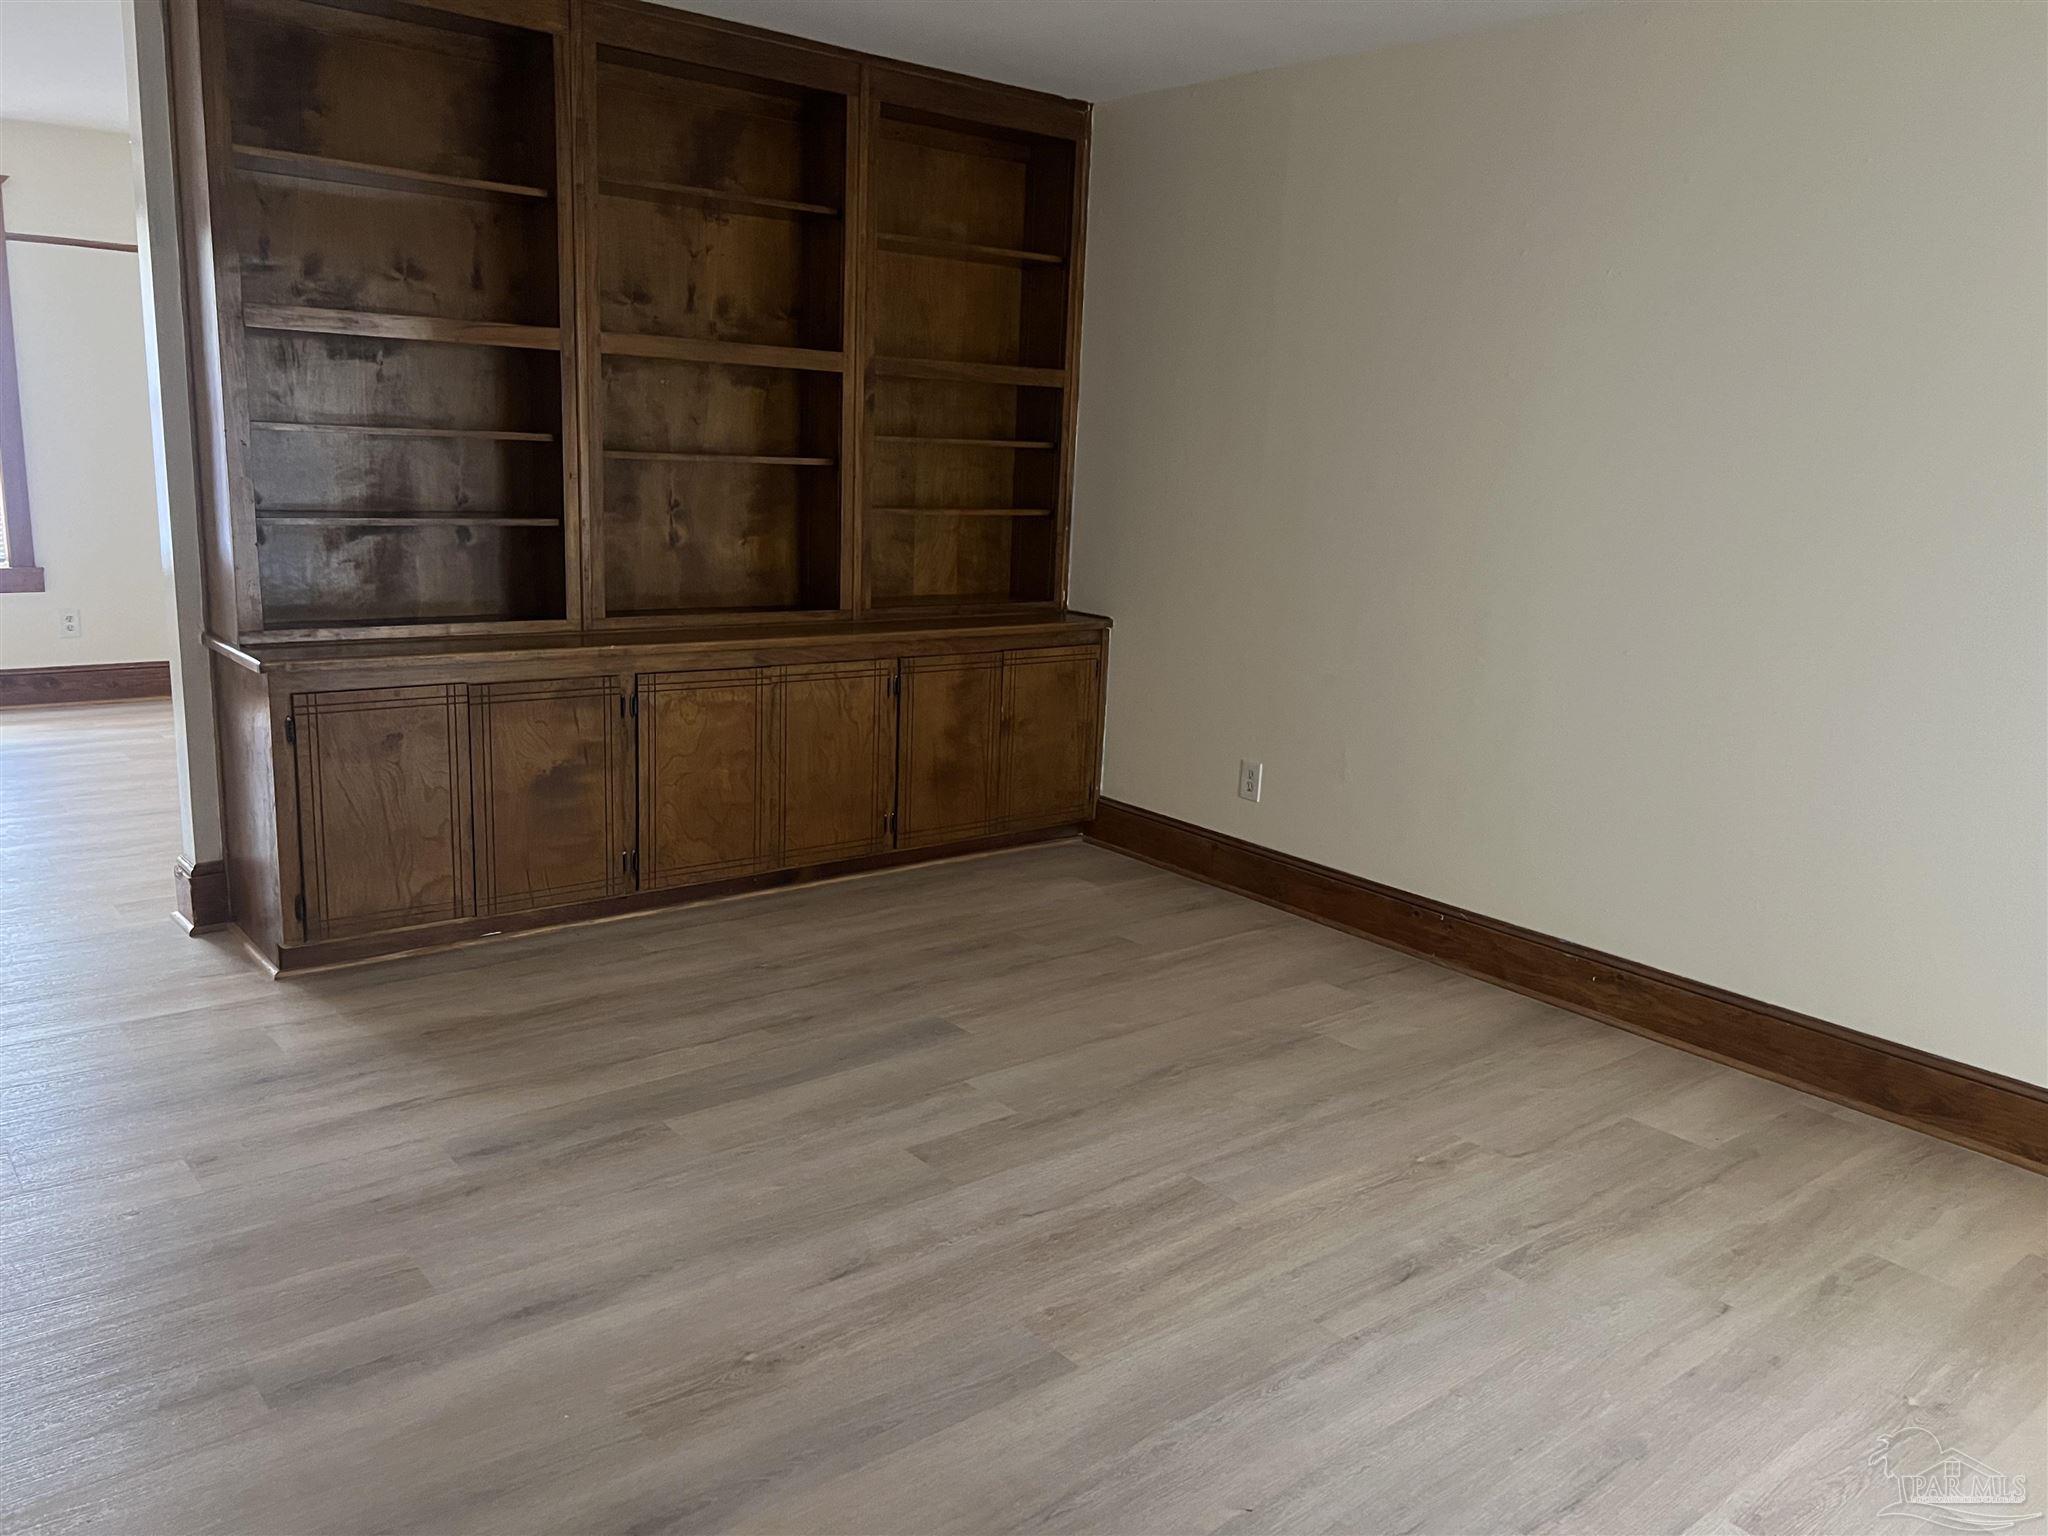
[
  {"x": 838, "y": 756},
  {"x": 384, "y": 834},
  {"x": 552, "y": 812},
  {"x": 947, "y": 778},
  {"x": 1051, "y": 739},
  {"x": 704, "y": 775}
]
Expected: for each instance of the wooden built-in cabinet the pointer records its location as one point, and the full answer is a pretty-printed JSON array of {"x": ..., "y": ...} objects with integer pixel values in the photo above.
[
  {"x": 637, "y": 456},
  {"x": 421, "y": 813}
]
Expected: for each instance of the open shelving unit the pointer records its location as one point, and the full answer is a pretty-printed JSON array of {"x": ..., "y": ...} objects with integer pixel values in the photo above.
[
  {"x": 389, "y": 188},
  {"x": 974, "y": 273},
  {"x": 587, "y": 315},
  {"x": 720, "y": 292}
]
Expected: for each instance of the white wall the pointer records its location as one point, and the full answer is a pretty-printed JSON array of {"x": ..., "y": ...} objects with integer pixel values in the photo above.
[
  {"x": 1598, "y": 466},
  {"x": 85, "y": 404}
]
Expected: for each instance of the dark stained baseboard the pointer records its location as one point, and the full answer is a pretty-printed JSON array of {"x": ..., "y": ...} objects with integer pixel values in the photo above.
[
  {"x": 1997, "y": 1115},
  {"x": 84, "y": 685},
  {"x": 202, "y": 895}
]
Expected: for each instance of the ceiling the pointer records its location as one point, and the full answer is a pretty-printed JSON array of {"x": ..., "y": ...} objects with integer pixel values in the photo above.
[
  {"x": 1100, "y": 50},
  {"x": 64, "y": 61},
  {"x": 61, "y": 61}
]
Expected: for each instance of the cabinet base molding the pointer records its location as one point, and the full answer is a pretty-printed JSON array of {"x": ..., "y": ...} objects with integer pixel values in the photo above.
[
  {"x": 202, "y": 895},
  {"x": 99, "y": 684},
  {"x": 298, "y": 959},
  {"x": 2000, "y": 1116}
]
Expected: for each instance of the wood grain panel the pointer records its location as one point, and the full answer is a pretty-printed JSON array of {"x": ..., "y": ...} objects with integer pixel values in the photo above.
[
  {"x": 950, "y": 725},
  {"x": 1052, "y": 743},
  {"x": 706, "y": 774},
  {"x": 838, "y": 760},
  {"x": 384, "y": 795},
  {"x": 553, "y": 762}
]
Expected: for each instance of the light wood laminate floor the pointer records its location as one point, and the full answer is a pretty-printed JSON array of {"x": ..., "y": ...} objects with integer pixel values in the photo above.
[{"x": 1039, "y": 1192}]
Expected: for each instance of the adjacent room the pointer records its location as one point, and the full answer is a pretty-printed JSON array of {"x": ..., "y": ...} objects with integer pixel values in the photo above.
[{"x": 1124, "y": 767}]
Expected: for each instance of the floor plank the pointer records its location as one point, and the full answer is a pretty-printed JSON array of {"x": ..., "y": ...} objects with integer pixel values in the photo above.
[{"x": 1112, "y": 1203}]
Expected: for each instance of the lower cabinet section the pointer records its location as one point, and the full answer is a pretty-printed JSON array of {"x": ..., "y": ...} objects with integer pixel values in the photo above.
[
  {"x": 836, "y": 790},
  {"x": 427, "y": 805},
  {"x": 1051, "y": 741},
  {"x": 551, "y": 765},
  {"x": 952, "y": 729},
  {"x": 384, "y": 797},
  {"x": 706, "y": 740}
]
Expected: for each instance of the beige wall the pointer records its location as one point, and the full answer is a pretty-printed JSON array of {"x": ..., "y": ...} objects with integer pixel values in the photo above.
[
  {"x": 1598, "y": 466},
  {"x": 85, "y": 404}
]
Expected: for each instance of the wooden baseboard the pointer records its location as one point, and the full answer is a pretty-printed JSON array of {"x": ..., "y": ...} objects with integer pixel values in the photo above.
[
  {"x": 202, "y": 895},
  {"x": 84, "y": 685},
  {"x": 1997, "y": 1115}
]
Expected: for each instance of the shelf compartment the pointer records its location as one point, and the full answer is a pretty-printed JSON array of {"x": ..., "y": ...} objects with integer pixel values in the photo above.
[
  {"x": 661, "y": 456},
  {"x": 962, "y": 250},
  {"x": 744, "y": 354},
  {"x": 359, "y": 322},
  {"x": 361, "y": 476},
  {"x": 308, "y": 388},
  {"x": 255, "y": 159},
  {"x": 1019, "y": 444},
  {"x": 406, "y": 519},
  {"x": 347, "y": 573},
  {"x": 963, "y": 511},
  {"x": 683, "y": 536},
  {"x": 439, "y": 97},
  {"x": 370, "y": 429},
  {"x": 743, "y": 202},
  {"x": 970, "y": 373}
]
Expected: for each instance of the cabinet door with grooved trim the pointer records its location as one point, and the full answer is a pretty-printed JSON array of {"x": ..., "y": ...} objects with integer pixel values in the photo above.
[
  {"x": 553, "y": 817},
  {"x": 1051, "y": 740},
  {"x": 384, "y": 787},
  {"x": 707, "y": 741},
  {"x": 838, "y": 752},
  {"x": 950, "y": 727}
]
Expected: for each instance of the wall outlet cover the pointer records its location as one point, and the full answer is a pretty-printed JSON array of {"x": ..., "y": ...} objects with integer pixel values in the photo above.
[
  {"x": 1251, "y": 780},
  {"x": 69, "y": 623}
]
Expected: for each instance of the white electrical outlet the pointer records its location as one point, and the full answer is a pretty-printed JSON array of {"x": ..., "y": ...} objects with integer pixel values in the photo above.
[
  {"x": 68, "y": 625},
  {"x": 1251, "y": 780}
]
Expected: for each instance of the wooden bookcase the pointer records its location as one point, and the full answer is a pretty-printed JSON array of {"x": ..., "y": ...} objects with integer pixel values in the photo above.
[
  {"x": 392, "y": 264},
  {"x": 974, "y": 257},
  {"x": 718, "y": 296},
  {"x": 637, "y": 458},
  {"x": 537, "y": 316}
]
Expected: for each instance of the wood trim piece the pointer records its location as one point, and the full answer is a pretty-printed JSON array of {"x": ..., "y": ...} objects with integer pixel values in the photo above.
[
  {"x": 84, "y": 685},
  {"x": 202, "y": 895},
  {"x": 1984, "y": 1111},
  {"x": 72, "y": 242}
]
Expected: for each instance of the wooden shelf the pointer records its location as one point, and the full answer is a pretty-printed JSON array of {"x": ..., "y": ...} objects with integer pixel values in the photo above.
[
  {"x": 970, "y": 373},
  {"x": 964, "y": 511},
  {"x": 744, "y": 202},
  {"x": 476, "y": 434},
  {"x": 962, "y": 250},
  {"x": 361, "y": 322},
  {"x": 786, "y": 460},
  {"x": 362, "y": 173},
  {"x": 745, "y": 354},
  {"x": 407, "y": 519},
  {"x": 1022, "y": 443}
]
